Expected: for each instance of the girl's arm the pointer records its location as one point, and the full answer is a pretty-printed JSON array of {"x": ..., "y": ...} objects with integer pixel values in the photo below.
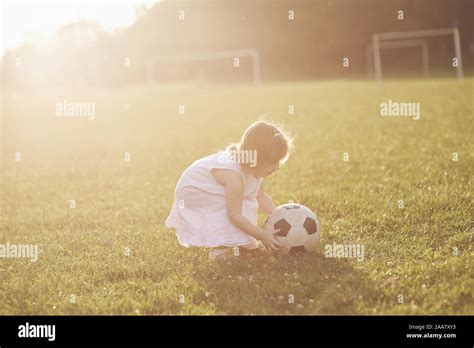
[
  {"x": 234, "y": 188},
  {"x": 265, "y": 201}
]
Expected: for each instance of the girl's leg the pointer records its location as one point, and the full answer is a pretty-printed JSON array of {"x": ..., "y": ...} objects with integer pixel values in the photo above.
[
  {"x": 250, "y": 249},
  {"x": 222, "y": 253}
]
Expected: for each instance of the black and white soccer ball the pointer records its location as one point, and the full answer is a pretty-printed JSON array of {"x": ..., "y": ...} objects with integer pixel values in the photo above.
[{"x": 299, "y": 228}]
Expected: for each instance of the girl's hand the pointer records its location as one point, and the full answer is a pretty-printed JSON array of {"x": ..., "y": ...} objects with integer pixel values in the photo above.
[{"x": 269, "y": 240}]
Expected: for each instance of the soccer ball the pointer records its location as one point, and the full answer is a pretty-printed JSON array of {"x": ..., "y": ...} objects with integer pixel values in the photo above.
[{"x": 299, "y": 227}]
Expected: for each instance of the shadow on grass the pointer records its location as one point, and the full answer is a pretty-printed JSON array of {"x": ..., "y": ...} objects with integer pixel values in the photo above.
[{"x": 304, "y": 284}]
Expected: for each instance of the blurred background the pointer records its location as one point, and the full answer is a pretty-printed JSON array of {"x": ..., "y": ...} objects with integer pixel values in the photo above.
[
  {"x": 90, "y": 44},
  {"x": 149, "y": 87}
]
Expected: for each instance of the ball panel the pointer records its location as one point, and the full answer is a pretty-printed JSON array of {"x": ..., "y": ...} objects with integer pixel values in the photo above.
[
  {"x": 310, "y": 225},
  {"x": 276, "y": 215},
  {"x": 311, "y": 242},
  {"x": 295, "y": 217},
  {"x": 283, "y": 226},
  {"x": 297, "y": 235},
  {"x": 307, "y": 211}
]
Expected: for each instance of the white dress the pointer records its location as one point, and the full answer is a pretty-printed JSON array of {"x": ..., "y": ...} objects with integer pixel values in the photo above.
[{"x": 199, "y": 212}]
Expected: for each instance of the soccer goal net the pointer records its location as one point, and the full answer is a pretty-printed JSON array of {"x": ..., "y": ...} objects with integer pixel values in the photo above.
[{"x": 392, "y": 40}]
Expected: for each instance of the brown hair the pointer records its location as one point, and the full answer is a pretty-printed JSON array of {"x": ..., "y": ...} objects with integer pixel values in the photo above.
[{"x": 270, "y": 142}]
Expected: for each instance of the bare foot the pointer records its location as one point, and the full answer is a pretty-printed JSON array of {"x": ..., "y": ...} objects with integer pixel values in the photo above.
[{"x": 220, "y": 254}]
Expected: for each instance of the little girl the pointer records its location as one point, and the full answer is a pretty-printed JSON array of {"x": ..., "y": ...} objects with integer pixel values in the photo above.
[{"x": 217, "y": 197}]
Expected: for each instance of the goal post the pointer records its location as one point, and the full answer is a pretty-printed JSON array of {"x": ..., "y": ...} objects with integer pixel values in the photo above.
[
  {"x": 379, "y": 39},
  {"x": 405, "y": 43},
  {"x": 253, "y": 54}
]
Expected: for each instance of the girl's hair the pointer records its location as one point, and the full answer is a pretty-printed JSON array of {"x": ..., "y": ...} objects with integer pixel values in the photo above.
[{"x": 270, "y": 143}]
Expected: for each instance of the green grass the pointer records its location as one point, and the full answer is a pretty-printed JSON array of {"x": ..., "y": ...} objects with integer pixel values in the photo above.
[{"x": 121, "y": 205}]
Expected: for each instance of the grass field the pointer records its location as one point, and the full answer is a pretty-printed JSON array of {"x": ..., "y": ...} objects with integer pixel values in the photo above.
[{"x": 411, "y": 265}]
